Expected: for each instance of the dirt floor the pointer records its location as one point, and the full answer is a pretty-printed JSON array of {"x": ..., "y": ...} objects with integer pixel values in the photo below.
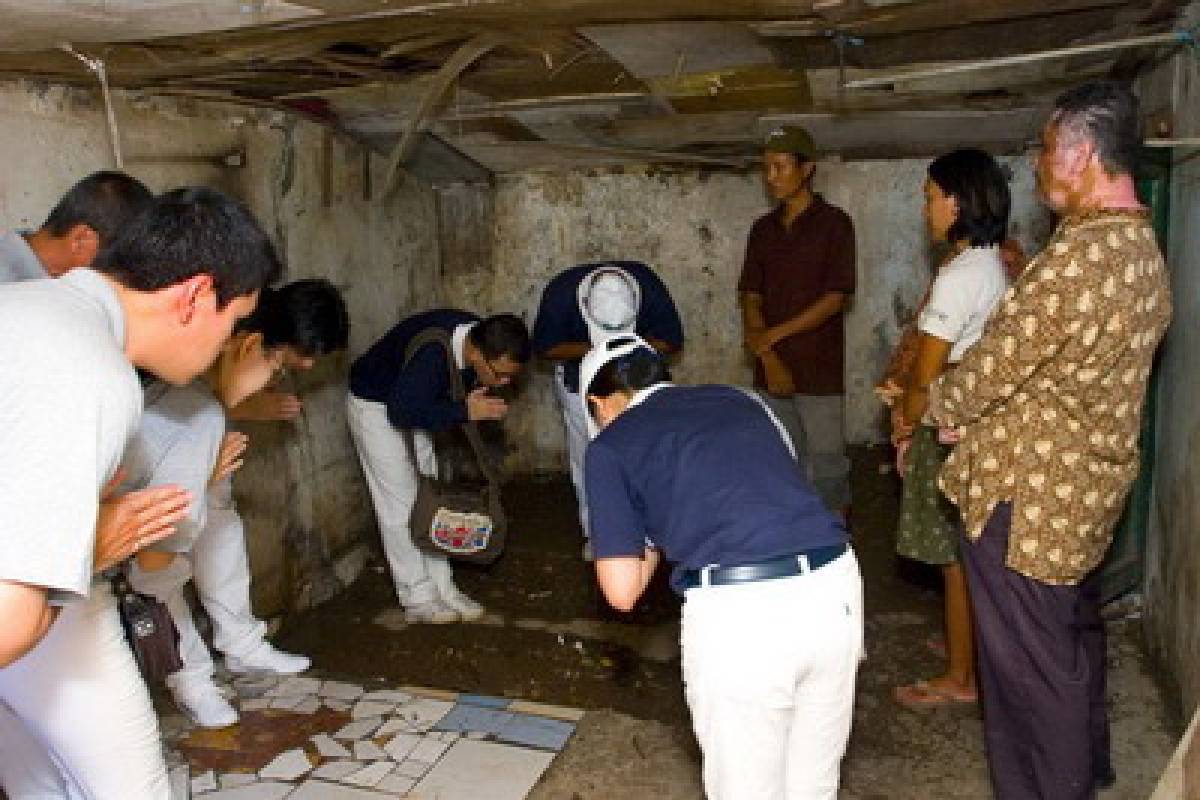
[{"x": 549, "y": 637}]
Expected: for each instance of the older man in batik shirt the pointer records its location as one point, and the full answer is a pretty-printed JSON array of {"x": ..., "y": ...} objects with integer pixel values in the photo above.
[{"x": 1048, "y": 407}]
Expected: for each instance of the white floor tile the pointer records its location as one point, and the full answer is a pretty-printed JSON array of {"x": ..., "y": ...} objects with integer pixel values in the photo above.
[
  {"x": 430, "y": 748},
  {"x": 287, "y": 766},
  {"x": 339, "y": 690},
  {"x": 288, "y": 702},
  {"x": 393, "y": 726},
  {"x": 396, "y": 784},
  {"x": 401, "y": 745},
  {"x": 320, "y": 790},
  {"x": 230, "y": 780},
  {"x": 421, "y": 714},
  {"x": 295, "y": 685},
  {"x": 371, "y": 708},
  {"x": 369, "y": 776},
  {"x": 205, "y": 782},
  {"x": 308, "y": 705},
  {"x": 336, "y": 770},
  {"x": 367, "y": 750},
  {"x": 262, "y": 790},
  {"x": 328, "y": 747},
  {"x": 178, "y": 781},
  {"x": 360, "y": 729},
  {"x": 413, "y": 769},
  {"x": 473, "y": 770},
  {"x": 255, "y": 685}
]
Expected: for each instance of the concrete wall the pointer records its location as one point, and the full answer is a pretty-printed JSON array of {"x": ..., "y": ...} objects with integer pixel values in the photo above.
[
  {"x": 300, "y": 491},
  {"x": 1173, "y": 548},
  {"x": 691, "y": 226}
]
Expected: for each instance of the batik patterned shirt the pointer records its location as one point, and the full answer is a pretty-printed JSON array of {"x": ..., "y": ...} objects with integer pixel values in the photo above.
[{"x": 1048, "y": 403}]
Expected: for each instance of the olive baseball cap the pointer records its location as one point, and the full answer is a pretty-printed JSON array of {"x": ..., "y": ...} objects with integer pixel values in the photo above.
[{"x": 791, "y": 139}]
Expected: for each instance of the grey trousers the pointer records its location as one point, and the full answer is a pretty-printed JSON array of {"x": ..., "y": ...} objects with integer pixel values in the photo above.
[{"x": 816, "y": 424}]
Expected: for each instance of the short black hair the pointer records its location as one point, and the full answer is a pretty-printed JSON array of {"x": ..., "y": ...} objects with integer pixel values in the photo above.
[
  {"x": 636, "y": 370},
  {"x": 502, "y": 335},
  {"x": 192, "y": 231},
  {"x": 974, "y": 179},
  {"x": 307, "y": 315},
  {"x": 104, "y": 201},
  {"x": 1107, "y": 114}
]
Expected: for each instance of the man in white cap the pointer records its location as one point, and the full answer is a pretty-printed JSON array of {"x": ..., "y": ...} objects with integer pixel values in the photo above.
[
  {"x": 585, "y": 305},
  {"x": 704, "y": 477}
]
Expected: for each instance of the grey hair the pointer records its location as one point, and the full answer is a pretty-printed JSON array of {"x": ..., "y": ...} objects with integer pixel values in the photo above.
[{"x": 1106, "y": 114}]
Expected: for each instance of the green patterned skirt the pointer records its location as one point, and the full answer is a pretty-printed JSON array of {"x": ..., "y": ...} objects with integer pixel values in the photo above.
[{"x": 929, "y": 523}]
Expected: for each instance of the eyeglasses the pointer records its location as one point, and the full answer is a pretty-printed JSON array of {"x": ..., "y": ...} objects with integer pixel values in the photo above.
[{"x": 502, "y": 375}]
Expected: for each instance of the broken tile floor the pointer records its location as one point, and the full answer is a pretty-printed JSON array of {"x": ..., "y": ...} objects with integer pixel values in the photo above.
[
  {"x": 549, "y": 639},
  {"x": 304, "y": 738}
]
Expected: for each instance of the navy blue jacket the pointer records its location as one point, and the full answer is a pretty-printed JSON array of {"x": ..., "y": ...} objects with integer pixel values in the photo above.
[
  {"x": 417, "y": 395},
  {"x": 559, "y": 319}
]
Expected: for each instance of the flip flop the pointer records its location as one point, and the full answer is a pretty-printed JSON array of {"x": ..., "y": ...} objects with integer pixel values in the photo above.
[{"x": 924, "y": 694}]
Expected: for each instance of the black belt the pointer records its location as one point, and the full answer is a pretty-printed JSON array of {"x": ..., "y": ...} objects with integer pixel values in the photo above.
[{"x": 782, "y": 567}]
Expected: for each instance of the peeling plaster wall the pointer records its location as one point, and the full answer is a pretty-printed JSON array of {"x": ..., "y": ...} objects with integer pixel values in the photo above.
[
  {"x": 300, "y": 492},
  {"x": 691, "y": 227},
  {"x": 1173, "y": 548}
]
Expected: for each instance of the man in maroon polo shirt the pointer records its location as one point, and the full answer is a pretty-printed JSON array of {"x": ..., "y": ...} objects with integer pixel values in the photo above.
[{"x": 796, "y": 284}]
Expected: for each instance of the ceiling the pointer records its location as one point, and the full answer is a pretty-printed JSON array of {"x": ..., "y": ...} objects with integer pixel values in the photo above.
[{"x": 508, "y": 85}]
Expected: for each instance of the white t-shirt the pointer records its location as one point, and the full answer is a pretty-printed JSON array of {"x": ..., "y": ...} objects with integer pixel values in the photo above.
[
  {"x": 18, "y": 262},
  {"x": 69, "y": 401},
  {"x": 177, "y": 442},
  {"x": 962, "y": 298}
]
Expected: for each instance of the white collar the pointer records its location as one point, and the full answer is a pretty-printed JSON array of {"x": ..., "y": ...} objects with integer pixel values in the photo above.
[
  {"x": 641, "y": 394},
  {"x": 458, "y": 341}
]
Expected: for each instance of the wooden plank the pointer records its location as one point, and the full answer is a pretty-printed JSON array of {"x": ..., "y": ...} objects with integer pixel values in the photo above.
[
  {"x": 620, "y": 153},
  {"x": 446, "y": 75},
  {"x": 566, "y": 101}
]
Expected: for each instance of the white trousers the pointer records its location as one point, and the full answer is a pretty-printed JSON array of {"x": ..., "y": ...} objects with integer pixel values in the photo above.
[
  {"x": 420, "y": 578},
  {"x": 76, "y": 720},
  {"x": 769, "y": 670},
  {"x": 167, "y": 586},
  {"x": 220, "y": 568},
  {"x": 221, "y": 573},
  {"x": 575, "y": 428}
]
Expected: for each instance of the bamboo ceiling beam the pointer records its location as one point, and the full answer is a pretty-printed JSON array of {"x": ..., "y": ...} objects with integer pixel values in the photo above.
[
  {"x": 630, "y": 153},
  {"x": 418, "y": 44},
  {"x": 465, "y": 56}
]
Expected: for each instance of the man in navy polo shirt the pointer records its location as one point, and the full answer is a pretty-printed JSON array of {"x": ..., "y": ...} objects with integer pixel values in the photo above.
[
  {"x": 582, "y": 306},
  {"x": 388, "y": 396},
  {"x": 772, "y": 618}
]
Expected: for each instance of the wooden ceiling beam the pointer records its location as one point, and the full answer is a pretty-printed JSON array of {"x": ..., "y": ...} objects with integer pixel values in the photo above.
[{"x": 466, "y": 55}]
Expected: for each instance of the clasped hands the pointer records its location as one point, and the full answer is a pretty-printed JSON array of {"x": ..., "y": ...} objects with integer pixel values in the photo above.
[
  {"x": 778, "y": 377},
  {"x": 759, "y": 341}
]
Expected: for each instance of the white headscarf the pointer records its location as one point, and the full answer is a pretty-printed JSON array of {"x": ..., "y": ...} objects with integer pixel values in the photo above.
[
  {"x": 594, "y": 361},
  {"x": 609, "y": 299}
]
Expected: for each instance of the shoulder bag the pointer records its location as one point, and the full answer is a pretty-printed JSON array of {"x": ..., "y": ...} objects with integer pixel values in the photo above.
[{"x": 463, "y": 520}]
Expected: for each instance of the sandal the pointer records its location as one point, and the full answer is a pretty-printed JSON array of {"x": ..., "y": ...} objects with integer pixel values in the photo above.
[{"x": 924, "y": 694}]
